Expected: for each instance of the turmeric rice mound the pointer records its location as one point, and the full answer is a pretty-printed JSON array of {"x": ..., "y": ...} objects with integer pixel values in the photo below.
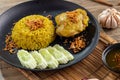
[{"x": 33, "y": 32}]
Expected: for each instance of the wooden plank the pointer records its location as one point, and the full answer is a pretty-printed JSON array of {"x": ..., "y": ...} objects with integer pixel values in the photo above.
[
  {"x": 90, "y": 67},
  {"x": 66, "y": 75},
  {"x": 11, "y": 74},
  {"x": 58, "y": 76},
  {"x": 80, "y": 68},
  {"x": 44, "y": 74}
]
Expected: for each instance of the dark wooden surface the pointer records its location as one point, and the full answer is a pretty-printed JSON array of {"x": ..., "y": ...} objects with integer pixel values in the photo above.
[{"x": 81, "y": 69}]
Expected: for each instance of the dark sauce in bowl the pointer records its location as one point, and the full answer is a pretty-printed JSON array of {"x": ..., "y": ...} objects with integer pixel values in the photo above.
[{"x": 111, "y": 57}]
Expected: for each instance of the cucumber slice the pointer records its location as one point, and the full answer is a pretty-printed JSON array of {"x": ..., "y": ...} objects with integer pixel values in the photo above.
[
  {"x": 26, "y": 59},
  {"x": 66, "y": 53},
  {"x": 51, "y": 61},
  {"x": 41, "y": 63},
  {"x": 60, "y": 57}
]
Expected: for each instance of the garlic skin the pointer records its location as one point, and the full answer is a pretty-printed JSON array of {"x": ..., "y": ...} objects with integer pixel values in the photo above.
[{"x": 109, "y": 18}]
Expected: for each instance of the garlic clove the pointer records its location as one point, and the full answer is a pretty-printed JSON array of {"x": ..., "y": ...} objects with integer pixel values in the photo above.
[
  {"x": 113, "y": 22},
  {"x": 118, "y": 18},
  {"x": 108, "y": 22},
  {"x": 115, "y": 11},
  {"x": 102, "y": 19}
]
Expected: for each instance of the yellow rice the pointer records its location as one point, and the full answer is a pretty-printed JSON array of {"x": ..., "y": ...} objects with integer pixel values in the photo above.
[{"x": 33, "y": 40}]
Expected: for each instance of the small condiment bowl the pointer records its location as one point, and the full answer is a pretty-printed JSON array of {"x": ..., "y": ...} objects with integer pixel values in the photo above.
[{"x": 109, "y": 57}]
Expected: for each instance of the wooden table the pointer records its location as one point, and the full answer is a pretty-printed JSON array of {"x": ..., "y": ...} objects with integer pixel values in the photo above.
[{"x": 93, "y": 7}]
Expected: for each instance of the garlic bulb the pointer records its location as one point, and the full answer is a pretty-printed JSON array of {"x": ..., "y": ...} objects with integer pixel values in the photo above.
[{"x": 109, "y": 18}]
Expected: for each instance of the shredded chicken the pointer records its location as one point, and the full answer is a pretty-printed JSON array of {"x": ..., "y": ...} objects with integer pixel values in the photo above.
[{"x": 34, "y": 24}]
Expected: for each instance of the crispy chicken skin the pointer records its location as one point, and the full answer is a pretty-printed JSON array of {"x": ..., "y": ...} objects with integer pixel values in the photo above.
[{"x": 71, "y": 23}]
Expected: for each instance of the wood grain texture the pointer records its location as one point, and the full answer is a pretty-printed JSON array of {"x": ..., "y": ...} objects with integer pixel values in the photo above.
[{"x": 91, "y": 67}]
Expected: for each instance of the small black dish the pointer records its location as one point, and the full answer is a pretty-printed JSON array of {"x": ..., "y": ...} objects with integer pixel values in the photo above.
[{"x": 111, "y": 57}]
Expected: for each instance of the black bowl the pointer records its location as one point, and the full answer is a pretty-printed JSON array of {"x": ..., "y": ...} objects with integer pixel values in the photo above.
[
  {"x": 108, "y": 55},
  {"x": 45, "y": 7}
]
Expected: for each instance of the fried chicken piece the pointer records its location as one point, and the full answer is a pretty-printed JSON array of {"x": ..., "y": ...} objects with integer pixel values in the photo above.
[{"x": 71, "y": 23}]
